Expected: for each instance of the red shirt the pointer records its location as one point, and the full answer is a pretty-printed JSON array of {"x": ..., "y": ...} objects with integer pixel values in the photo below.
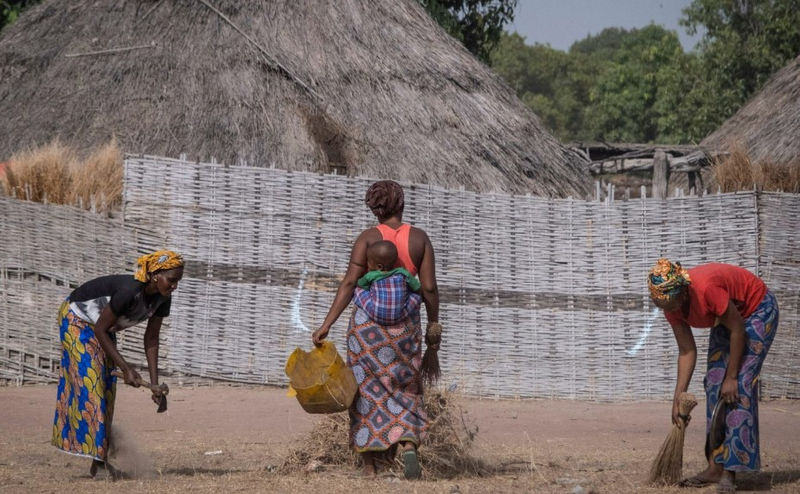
[{"x": 713, "y": 285}]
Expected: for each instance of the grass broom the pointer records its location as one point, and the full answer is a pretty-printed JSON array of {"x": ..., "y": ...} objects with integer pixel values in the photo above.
[
  {"x": 430, "y": 360},
  {"x": 668, "y": 464}
]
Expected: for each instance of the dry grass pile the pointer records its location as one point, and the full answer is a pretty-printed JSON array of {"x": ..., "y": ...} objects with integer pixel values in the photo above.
[
  {"x": 55, "y": 173},
  {"x": 667, "y": 467},
  {"x": 444, "y": 454},
  {"x": 736, "y": 171}
]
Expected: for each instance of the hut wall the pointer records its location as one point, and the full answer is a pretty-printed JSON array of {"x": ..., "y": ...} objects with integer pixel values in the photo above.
[{"x": 539, "y": 297}]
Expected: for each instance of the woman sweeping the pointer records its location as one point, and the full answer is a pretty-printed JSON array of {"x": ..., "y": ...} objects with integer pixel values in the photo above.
[
  {"x": 89, "y": 319},
  {"x": 386, "y": 360},
  {"x": 743, "y": 316}
]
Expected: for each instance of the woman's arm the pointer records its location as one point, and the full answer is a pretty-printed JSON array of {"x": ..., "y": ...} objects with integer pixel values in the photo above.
[
  {"x": 687, "y": 358},
  {"x": 427, "y": 278},
  {"x": 355, "y": 270},
  {"x": 151, "y": 335},
  {"x": 733, "y": 321},
  {"x": 106, "y": 321},
  {"x": 430, "y": 292}
]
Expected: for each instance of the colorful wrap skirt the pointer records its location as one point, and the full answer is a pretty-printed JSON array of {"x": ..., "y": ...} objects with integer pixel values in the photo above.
[
  {"x": 386, "y": 361},
  {"x": 740, "y": 451},
  {"x": 86, "y": 390}
]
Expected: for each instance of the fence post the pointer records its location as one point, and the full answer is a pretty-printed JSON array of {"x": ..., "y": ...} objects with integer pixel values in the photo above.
[{"x": 660, "y": 175}]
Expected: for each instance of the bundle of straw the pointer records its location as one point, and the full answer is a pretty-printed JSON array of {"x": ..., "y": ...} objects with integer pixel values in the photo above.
[
  {"x": 430, "y": 360},
  {"x": 668, "y": 464}
]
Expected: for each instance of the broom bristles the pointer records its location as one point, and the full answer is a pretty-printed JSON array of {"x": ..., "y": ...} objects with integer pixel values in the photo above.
[
  {"x": 430, "y": 367},
  {"x": 667, "y": 467},
  {"x": 430, "y": 361}
]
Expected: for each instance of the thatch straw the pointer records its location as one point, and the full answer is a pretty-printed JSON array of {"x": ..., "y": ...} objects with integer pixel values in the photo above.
[
  {"x": 54, "y": 173},
  {"x": 767, "y": 126},
  {"x": 737, "y": 171},
  {"x": 365, "y": 88},
  {"x": 445, "y": 452},
  {"x": 668, "y": 464}
]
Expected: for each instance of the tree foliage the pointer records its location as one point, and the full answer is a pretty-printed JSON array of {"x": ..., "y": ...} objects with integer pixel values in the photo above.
[
  {"x": 607, "y": 87},
  {"x": 745, "y": 41},
  {"x": 640, "y": 85},
  {"x": 478, "y": 24},
  {"x": 10, "y": 9}
]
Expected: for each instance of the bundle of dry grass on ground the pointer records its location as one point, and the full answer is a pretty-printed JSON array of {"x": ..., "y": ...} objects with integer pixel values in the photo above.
[
  {"x": 444, "y": 454},
  {"x": 55, "y": 173},
  {"x": 737, "y": 171}
]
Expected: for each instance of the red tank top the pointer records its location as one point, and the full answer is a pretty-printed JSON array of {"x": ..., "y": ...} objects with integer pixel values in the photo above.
[{"x": 399, "y": 238}]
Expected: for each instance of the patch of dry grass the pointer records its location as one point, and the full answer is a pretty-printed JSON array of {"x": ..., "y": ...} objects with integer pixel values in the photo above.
[
  {"x": 444, "y": 454},
  {"x": 55, "y": 173},
  {"x": 736, "y": 171}
]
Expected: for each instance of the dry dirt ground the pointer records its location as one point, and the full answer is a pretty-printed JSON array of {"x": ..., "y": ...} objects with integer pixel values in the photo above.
[{"x": 222, "y": 438}]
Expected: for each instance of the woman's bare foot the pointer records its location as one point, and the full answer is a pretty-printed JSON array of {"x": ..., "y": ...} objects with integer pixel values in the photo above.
[
  {"x": 727, "y": 483},
  {"x": 113, "y": 473},
  {"x": 710, "y": 475},
  {"x": 368, "y": 458},
  {"x": 95, "y": 465}
]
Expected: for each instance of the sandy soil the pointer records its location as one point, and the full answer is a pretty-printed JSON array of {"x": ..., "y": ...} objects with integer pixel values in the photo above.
[{"x": 231, "y": 439}]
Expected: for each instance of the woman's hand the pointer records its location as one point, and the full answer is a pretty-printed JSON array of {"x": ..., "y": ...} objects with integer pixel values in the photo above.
[
  {"x": 319, "y": 335},
  {"x": 131, "y": 377},
  {"x": 730, "y": 390},
  {"x": 433, "y": 335},
  {"x": 676, "y": 415}
]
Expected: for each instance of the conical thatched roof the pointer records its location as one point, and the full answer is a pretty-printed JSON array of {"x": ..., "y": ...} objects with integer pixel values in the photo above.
[
  {"x": 768, "y": 126},
  {"x": 358, "y": 86}
]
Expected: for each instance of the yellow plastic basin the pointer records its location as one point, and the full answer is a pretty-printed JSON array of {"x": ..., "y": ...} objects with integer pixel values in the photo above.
[{"x": 321, "y": 379}]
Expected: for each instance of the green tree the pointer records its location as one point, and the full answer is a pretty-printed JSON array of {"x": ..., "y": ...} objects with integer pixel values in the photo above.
[
  {"x": 618, "y": 85},
  {"x": 10, "y": 9},
  {"x": 625, "y": 99},
  {"x": 477, "y": 24},
  {"x": 744, "y": 42},
  {"x": 554, "y": 84}
]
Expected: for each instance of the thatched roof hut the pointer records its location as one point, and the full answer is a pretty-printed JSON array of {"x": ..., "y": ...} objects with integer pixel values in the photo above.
[
  {"x": 768, "y": 126},
  {"x": 357, "y": 86}
]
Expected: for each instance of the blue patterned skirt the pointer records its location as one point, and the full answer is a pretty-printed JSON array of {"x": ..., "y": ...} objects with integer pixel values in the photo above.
[
  {"x": 86, "y": 390},
  {"x": 740, "y": 451}
]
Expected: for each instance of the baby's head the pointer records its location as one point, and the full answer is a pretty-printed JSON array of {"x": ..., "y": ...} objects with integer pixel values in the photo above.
[{"x": 381, "y": 256}]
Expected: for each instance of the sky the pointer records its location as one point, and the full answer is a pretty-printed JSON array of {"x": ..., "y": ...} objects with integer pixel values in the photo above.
[{"x": 562, "y": 22}]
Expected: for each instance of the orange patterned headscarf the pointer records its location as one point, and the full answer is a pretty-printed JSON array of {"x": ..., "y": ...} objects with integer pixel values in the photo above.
[
  {"x": 161, "y": 259},
  {"x": 667, "y": 279}
]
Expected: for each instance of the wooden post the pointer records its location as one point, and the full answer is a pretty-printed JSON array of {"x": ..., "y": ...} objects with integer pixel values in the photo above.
[{"x": 660, "y": 175}]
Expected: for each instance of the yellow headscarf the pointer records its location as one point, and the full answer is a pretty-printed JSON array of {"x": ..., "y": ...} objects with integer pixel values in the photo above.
[
  {"x": 150, "y": 263},
  {"x": 666, "y": 279}
]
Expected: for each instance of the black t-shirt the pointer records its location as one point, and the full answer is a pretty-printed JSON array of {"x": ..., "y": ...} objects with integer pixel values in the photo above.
[{"x": 124, "y": 294}]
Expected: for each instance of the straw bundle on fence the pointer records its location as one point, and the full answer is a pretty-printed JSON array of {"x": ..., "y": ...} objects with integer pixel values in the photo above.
[
  {"x": 55, "y": 173},
  {"x": 668, "y": 464},
  {"x": 736, "y": 171},
  {"x": 444, "y": 452}
]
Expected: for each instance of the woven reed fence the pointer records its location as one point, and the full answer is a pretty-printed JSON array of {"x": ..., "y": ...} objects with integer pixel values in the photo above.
[
  {"x": 45, "y": 252},
  {"x": 540, "y": 298}
]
